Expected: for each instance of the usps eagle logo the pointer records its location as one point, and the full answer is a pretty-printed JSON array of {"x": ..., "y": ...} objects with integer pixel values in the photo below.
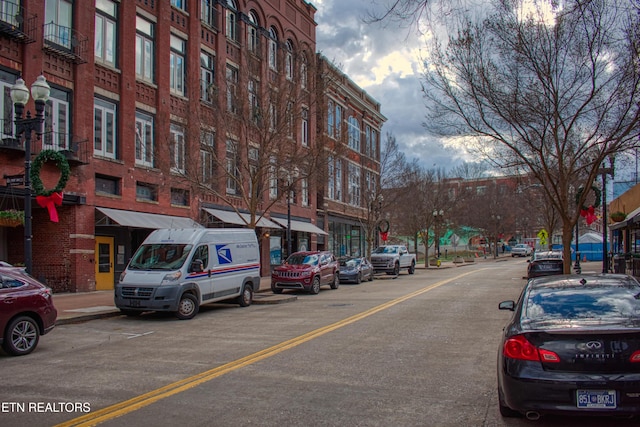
[{"x": 224, "y": 254}]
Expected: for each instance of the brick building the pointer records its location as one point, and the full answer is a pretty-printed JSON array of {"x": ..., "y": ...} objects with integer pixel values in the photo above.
[{"x": 127, "y": 80}]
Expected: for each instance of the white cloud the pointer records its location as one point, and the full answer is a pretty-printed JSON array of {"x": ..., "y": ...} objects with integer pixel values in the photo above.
[{"x": 386, "y": 62}]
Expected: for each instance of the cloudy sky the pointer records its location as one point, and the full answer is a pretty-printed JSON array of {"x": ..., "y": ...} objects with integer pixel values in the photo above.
[{"x": 385, "y": 61}]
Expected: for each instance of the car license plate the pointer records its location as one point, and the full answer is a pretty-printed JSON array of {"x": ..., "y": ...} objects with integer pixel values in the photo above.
[
  {"x": 596, "y": 399},
  {"x": 134, "y": 303}
]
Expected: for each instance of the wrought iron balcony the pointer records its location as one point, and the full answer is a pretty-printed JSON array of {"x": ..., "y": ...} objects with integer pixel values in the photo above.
[
  {"x": 15, "y": 24},
  {"x": 65, "y": 42}
]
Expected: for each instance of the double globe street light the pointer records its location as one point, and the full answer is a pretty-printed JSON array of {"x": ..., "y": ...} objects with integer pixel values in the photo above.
[{"x": 40, "y": 91}]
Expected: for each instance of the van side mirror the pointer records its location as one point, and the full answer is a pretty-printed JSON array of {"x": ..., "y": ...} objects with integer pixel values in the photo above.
[
  {"x": 507, "y": 305},
  {"x": 197, "y": 266}
]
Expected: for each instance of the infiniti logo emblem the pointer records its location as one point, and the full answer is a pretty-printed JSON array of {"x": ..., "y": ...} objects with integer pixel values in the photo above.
[{"x": 594, "y": 345}]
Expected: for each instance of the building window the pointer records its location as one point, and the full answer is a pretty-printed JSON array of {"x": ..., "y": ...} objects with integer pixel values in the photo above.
[
  {"x": 253, "y": 35},
  {"x": 354, "y": 133},
  {"x": 338, "y": 181},
  {"x": 58, "y": 22},
  {"x": 177, "y": 149},
  {"x": 6, "y": 105},
  {"x": 206, "y": 76},
  {"x": 207, "y": 141},
  {"x": 273, "y": 49},
  {"x": 105, "y": 32},
  {"x": 177, "y": 65},
  {"x": 231, "y": 21},
  {"x": 338, "y": 122},
  {"x": 288, "y": 61},
  {"x": 57, "y": 115},
  {"x": 179, "y": 197},
  {"x": 232, "y": 167},
  {"x": 273, "y": 118},
  {"x": 147, "y": 192},
  {"x": 104, "y": 128},
  {"x": 209, "y": 13},
  {"x": 330, "y": 124},
  {"x": 273, "y": 182},
  {"x": 108, "y": 185},
  {"x": 331, "y": 179},
  {"x": 232, "y": 82},
  {"x": 304, "y": 187},
  {"x": 144, "y": 49},
  {"x": 253, "y": 100},
  {"x": 354, "y": 184},
  {"x": 304, "y": 130},
  {"x": 180, "y": 4},
  {"x": 304, "y": 77},
  {"x": 144, "y": 139}
]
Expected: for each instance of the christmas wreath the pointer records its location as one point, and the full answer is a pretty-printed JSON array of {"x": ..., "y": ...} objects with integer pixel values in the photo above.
[
  {"x": 383, "y": 229},
  {"x": 42, "y": 158},
  {"x": 588, "y": 212},
  {"x": 49, "y": 198}
]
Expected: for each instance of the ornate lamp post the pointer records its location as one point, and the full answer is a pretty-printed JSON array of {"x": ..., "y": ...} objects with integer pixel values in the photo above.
[
  {"x": 437, "y": 220},
  {"x": 291, "y": 177},
  {"x": 40, "y": 91},
  {"x": 605, "y": 253}
]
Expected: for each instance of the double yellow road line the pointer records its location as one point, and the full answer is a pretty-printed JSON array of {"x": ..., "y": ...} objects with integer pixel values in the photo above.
[{"x": 138, "y": 402}]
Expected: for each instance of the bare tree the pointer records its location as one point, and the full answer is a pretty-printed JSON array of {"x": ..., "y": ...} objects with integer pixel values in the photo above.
[{"x": 554, "y": 93}]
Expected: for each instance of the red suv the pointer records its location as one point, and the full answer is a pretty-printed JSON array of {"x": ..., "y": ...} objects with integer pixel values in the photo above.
[
  {"x": 26, "y": 311},
  {"x": 306, "y": 271}
]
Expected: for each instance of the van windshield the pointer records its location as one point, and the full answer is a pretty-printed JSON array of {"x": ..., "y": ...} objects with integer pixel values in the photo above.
[{"x": 160, "y": 256}]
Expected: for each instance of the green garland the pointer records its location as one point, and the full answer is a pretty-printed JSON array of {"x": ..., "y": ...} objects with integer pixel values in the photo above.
[
  {"x": 596, "y": 203},
  {"x": 383, "y": 226},
  {"x": 42, "y": 158}
]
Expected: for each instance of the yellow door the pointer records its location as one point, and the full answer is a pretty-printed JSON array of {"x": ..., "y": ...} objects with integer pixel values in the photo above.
[{"x": 104, "y": 263}]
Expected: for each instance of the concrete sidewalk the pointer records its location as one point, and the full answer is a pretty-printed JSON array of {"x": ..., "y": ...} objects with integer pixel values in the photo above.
[{"x": 83, "y": 306}]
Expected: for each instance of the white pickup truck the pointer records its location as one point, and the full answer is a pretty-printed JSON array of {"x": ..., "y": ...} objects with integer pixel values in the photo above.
[{"x": 391, "y": 259}]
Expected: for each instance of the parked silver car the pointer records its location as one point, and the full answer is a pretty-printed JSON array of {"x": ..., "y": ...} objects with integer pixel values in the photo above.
[{"x": 521, "y": 249}]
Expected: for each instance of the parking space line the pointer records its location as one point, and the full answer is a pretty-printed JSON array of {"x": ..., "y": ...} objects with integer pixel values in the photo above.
[{"x": 138, "y": 402}]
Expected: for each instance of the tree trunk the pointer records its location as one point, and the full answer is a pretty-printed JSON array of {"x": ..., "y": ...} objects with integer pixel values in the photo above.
[{"x": 567, "y": 236}]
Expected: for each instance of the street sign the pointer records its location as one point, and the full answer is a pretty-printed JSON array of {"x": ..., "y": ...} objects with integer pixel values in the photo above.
[
  {"x": 13, "y": 180},
  {"x": 543, "y": 236}
]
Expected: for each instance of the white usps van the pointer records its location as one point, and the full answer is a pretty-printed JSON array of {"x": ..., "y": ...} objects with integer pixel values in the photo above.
[{"x": 177, "y": 270}]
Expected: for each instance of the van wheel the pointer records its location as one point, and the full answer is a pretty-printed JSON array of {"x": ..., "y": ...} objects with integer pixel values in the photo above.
[
  {"x": 21, "y": 336},
  {"x": 246, "y": 297},
  {"x": 315, "y": 286},
  {"x": 188, "y": 307}
]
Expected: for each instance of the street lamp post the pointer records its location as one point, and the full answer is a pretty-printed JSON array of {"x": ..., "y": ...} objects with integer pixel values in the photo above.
[
  {"x": 20, "y": 96},
  {"x": 290, "y": 182},
  {"x": 604, "y": 172},
  {"x": 437, "y": 219}
]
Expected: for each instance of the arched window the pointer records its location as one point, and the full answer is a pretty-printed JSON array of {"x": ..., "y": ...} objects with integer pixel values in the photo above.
[
  {"x": 288, "y": 61},
  {"x": 304, "y": 78},
  {"x": 231, "y": 22},
  {"x": 354, "y": 133},
  {"x": 253, "y": 38},
  {"x": 273, "y": 49}
]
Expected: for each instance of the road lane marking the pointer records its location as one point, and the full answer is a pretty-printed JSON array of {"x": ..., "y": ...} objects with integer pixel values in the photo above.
[{"x": 138, "y": 402}]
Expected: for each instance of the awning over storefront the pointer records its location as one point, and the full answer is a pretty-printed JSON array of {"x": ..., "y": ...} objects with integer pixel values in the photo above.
[
  {"x": 306, "y": 227},
  {"x": 147, "y": 220},
  {"x": 240, "y": 219}
]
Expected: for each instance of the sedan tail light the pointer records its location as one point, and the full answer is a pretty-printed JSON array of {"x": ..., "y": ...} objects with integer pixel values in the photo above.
[
  {"x": 635, "y": 357},
  {"x": 518, "y": 347}
]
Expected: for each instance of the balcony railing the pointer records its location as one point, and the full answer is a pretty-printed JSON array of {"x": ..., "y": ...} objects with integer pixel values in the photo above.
[
  {"x": 15, "y": 24},
  {"x": 66, "y": 42}
]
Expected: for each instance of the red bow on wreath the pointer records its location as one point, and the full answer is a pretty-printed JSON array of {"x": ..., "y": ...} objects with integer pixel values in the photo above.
[
  {"x": 50, "y": 203},
  {"x": 588, "y": 214},
  {"x": 384, "y": 235}
]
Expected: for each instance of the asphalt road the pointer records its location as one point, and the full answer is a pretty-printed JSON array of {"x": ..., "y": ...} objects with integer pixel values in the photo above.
[{"x": 419, "y": 350}]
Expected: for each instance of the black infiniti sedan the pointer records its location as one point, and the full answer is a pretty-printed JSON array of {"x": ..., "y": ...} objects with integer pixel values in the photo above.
[{"x": 572, "y": 346}]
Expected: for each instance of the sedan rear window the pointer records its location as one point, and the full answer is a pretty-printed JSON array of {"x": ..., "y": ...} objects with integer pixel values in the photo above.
[{"x": 588, "y": 305}]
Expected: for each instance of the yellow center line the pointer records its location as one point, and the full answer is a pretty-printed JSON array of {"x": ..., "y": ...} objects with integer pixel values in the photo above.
[{"x": 138, "y": 402}]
